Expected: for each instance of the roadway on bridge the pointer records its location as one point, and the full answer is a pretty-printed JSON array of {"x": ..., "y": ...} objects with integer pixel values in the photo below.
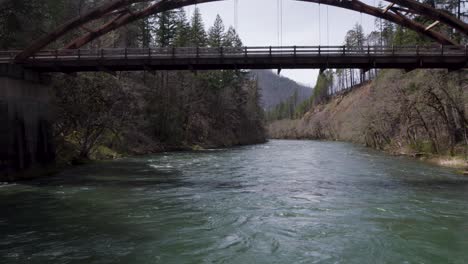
[{"x": 293, "y": 57}]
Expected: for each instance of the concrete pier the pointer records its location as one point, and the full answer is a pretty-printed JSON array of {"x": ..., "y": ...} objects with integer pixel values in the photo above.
[{"x": 26, "y": 144}]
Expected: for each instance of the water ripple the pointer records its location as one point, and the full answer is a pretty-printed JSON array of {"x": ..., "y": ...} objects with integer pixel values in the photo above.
[{"x": 282, "y": 202}]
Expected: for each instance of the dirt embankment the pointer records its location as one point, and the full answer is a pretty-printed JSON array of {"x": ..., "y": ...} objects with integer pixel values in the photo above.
[{"x": 340, "y": 119}]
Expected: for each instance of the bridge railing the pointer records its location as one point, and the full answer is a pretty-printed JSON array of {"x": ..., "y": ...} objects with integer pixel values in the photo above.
[
  {"x": 8, "y": 55},
  {"x": 236, "y": 52}
]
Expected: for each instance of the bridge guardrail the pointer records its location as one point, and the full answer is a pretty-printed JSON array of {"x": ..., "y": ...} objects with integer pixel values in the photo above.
[
  {"x": 8, "y": 55},
  {"x": 221, "y": 52}
]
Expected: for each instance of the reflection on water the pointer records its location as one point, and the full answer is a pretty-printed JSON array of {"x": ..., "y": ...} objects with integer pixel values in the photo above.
[{"x": 282, "y": 202}]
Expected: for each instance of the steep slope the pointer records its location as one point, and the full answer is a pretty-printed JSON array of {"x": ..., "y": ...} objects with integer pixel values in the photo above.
[
  {"x": 423, "y": 113},
  {"x": 276, "y": 89}
]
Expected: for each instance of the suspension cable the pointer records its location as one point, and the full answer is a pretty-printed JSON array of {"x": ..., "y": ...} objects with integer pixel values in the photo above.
[
  {"x": 278, "y": 21},
  {"x": 328, "y": 29},
  {"x": 361, "y": 19},
  {"x": 381, "y": 28},
  {"x": 281, "y": 22},
  {"x": 381, "y": 33},
  {"x": 236, "y": 15},
  {"x": 362, "y": 27},
  {"x": 375, "y": 29},
  {"x": 320, "y": 25}
]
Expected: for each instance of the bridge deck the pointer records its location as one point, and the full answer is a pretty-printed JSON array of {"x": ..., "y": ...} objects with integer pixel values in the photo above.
[{"x": 450, "y": 57}]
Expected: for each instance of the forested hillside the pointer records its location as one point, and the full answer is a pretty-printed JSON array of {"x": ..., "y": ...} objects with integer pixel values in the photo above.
[
  {"x": 276, "y": 89},
  {"x": 420, "y": 112},
  {"x": 99, "y": 115}
]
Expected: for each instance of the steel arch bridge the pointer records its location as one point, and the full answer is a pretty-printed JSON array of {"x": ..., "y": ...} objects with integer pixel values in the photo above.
[{"x": 117, "y": 13}]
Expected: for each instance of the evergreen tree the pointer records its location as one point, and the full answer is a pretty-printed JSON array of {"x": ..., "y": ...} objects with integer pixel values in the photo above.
[
  {"x": 321, "y": 89},
  {"x": 216, "y": 33},
  {"x": 182, "y": 29},
  {"x": 197, "y": 30},
  {"x": 23, "y": 21},
  {"x": 146, "y": 30},
  {"x": 166, "y": 28},
  {"x": 232, "y": 39}
]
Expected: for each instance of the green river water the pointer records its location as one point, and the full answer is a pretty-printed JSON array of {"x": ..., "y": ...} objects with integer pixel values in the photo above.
[{"x": 281, "y": 202}]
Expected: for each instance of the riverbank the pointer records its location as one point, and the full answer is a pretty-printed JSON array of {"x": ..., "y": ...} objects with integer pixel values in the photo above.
[
  {"x": 103, "y": 153},
  {"x": 458, "y": 163},
  {"x": 419, "y": 114}
]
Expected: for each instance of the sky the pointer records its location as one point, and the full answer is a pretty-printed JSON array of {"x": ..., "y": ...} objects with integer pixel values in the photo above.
[{"x": 258, "y": 25}]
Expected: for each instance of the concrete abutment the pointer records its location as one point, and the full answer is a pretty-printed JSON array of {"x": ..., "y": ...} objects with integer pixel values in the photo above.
[{"x": 26, "y": 142}]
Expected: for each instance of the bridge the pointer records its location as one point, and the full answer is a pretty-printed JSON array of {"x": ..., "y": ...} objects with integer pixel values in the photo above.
[
  {"x": 114, "y": 14},
  {"x": 295, "y": 57}
]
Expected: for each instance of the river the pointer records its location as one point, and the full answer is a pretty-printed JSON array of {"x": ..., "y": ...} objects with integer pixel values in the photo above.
[{"x": 281, "y": 202}]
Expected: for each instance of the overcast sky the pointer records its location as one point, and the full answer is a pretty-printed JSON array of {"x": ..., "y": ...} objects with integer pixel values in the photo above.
[{"x": 258, "y": 22}]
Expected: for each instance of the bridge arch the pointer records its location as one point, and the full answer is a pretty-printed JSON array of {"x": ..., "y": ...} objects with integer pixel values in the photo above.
[{"x": 122, "y": 15}]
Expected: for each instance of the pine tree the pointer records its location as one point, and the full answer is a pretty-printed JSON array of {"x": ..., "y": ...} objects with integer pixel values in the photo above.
[
  {"x": 182, "y": 29},
  {"x": 216, "y": 33},
  {"x": 197, "y": 30},
  {"x": 166, "y": 29},
  {"x": 146, "y": 28},
  {"x": 232, "y": 39}
]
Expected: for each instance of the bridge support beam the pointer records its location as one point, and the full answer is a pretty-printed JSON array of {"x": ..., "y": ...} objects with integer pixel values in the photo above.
[{"x": 25, "y": 124}]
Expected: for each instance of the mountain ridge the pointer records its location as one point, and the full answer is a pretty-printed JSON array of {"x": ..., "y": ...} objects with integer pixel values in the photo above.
[{"x": 276, "y": 89}]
